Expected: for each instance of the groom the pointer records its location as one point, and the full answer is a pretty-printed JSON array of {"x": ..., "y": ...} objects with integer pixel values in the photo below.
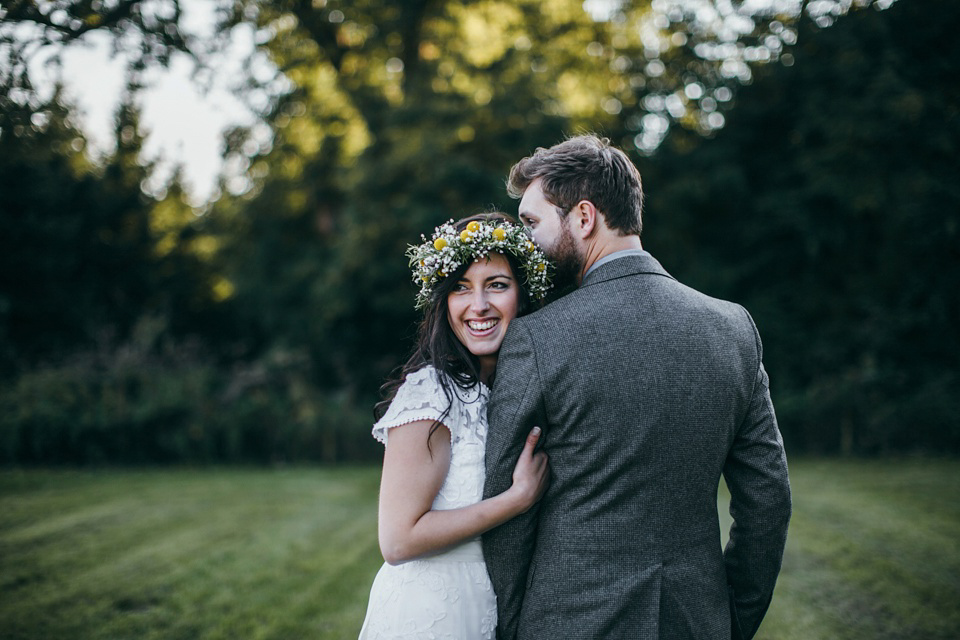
[{"x": 647, "y": 391}]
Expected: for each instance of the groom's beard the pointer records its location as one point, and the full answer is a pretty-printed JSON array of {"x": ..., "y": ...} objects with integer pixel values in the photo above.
[{"x": 567, "y": 263}]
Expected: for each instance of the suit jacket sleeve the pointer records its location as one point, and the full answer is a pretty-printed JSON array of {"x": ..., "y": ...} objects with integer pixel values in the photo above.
[
  {"x": 760, "y": 504},
  {"x": 515, "y": 408}
]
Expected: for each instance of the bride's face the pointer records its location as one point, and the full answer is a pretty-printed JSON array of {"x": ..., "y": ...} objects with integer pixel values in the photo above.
[{"x": 481, "y": 306}]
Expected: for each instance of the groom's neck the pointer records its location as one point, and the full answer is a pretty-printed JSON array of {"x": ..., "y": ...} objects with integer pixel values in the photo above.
[{"x": 603, "y": 244}]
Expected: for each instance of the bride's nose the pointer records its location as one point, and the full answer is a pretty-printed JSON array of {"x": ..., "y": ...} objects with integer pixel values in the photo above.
[{"x": 478, "y": 302}]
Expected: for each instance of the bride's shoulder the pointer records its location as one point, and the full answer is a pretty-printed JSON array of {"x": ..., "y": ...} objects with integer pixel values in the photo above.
[
  {"x": 425, "y": 372},
  {"x": 420, "y": 397},
  {"x": 425, "y": 381},
  {"x": 425, "y": 378}
]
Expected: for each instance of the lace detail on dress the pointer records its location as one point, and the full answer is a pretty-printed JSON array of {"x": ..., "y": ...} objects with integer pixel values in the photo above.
[{"x": 420, "y": 397}]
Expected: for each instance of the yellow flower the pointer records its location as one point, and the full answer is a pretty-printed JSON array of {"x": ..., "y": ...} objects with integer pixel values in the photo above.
[
  {"x": 473, "y": 226},
  {"x": 425, "y": 278},
  {"x": 499, "y": 233},
  {"x": 464, "y": 236},
  {"x": 442, "y": 273},
  {"x": 530, "y": 246},
  {"x": 541, "y": 267},
  {"x": 439, "y": 243}
]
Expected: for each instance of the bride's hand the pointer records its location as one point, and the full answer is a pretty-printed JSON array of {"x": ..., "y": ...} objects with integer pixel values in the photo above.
[{"x": 531, "y": 476}]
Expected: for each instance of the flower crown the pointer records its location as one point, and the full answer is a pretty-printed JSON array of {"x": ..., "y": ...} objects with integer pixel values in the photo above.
[{"x": 443, "y": 254}]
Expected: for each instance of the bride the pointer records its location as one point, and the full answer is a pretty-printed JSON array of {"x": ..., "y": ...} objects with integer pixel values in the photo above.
[{"x": 475, "y": 275}]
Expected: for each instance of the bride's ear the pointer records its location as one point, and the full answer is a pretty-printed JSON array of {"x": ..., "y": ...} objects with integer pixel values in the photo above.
[{"x": 585, "y": 220}]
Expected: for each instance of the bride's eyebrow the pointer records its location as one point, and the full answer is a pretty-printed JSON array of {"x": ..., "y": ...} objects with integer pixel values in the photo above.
[{"x": 500, "y": 275}]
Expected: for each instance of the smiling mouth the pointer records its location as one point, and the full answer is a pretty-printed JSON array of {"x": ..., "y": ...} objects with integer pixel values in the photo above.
[{"x": 482, "y": 326}]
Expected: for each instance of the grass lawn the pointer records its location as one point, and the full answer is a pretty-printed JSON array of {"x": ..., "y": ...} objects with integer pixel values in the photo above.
[{"x": 873, "y": 553}]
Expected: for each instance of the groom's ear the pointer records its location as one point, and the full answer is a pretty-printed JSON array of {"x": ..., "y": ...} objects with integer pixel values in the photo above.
[{"x": 585, "y": 220}]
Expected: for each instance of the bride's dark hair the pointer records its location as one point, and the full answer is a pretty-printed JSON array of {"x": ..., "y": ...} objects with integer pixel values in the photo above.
[{"x": 437, "y": 345}]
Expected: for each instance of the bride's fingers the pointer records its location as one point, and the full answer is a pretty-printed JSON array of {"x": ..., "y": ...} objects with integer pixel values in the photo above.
[
  {"x": 532, "y": 440},
  {"x": 539, "y": 461}
]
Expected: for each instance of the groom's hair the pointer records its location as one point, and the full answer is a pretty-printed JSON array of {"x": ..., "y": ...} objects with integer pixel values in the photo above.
[{"x": 585, "y": 167}]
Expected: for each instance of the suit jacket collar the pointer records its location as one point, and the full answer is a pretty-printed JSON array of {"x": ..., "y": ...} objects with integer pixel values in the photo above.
[{"x": 623, "y": 267}]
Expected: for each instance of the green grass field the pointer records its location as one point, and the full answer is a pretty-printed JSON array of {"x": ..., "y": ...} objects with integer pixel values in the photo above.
[{"x": 873, "y": 553}]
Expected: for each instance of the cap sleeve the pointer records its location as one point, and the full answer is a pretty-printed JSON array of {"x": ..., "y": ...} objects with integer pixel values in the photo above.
[{"x": 420, "y": 397}]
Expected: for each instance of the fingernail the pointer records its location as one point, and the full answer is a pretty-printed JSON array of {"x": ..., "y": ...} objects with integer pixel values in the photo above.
[{"x": 536, "y": 431}]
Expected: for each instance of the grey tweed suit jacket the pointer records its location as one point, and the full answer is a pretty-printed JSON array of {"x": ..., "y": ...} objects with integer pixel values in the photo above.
[{"x": 647, "y": 391}]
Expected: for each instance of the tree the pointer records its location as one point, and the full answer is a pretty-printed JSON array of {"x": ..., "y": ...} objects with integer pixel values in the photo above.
[
  {"x": 827, "y": 205},
  {"x": 115, "y": 253},
  {"x": 400, "y": 117},
  {"x": 147, "y": 31}
]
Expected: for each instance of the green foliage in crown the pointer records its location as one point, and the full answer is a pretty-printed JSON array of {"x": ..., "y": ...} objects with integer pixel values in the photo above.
[{"x": 448, "y": 249}]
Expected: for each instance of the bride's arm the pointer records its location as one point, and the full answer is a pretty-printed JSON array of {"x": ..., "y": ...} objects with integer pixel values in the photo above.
[{"x": 414, "y": 474}]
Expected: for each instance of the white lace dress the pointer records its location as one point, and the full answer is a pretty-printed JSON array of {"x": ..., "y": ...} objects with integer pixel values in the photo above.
[{"x": 446, "y": 596}]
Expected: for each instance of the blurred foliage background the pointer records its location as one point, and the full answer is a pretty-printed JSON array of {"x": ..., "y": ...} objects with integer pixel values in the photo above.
[{"x": 800, "y": 158}]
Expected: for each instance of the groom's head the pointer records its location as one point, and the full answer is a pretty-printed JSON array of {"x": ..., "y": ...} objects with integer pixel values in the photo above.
[{"x": 573, "y": 192}]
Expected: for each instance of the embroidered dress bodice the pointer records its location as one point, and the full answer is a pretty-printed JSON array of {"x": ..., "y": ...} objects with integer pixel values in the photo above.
[
  {"x": 447, "y": 595},
  {"x": 421, "y": 398}
]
